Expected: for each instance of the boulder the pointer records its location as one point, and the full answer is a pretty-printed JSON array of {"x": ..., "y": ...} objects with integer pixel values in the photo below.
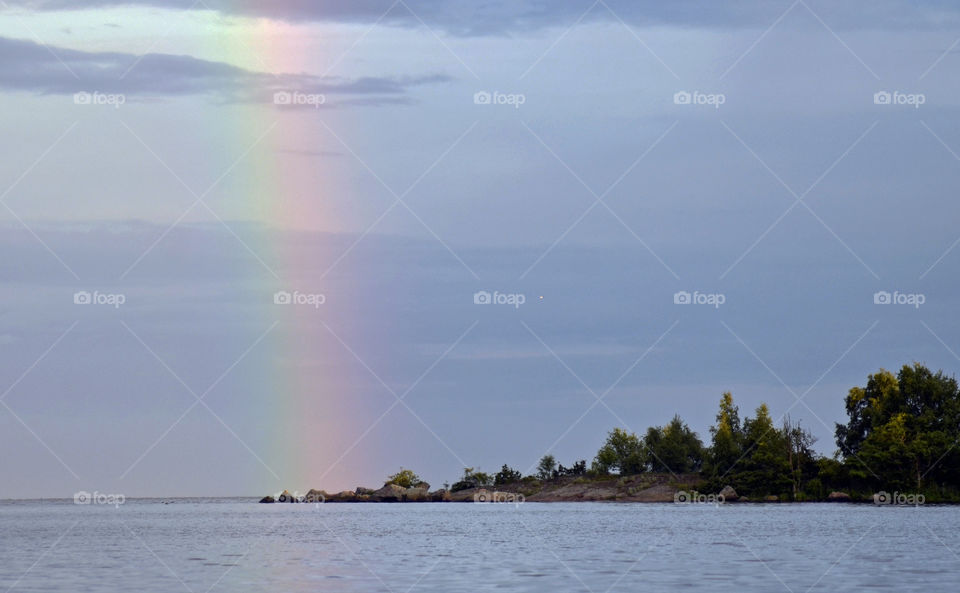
[
  {"x": 389, "y": 493},
  {"x": 838, "y": 497},
  {"x": 285, "y": 496},
  {"x": 440, "y": 496},
  {"x": 422, "y": 486},
  {"x": 267, "y": 500},
  {"x": 316, "y": 496},
  {"x": 771, "y": 498},
  {"x": 416, "y": 495},
  {"x": 361, "y": 491},
  {"x": 729, "y": 494}
]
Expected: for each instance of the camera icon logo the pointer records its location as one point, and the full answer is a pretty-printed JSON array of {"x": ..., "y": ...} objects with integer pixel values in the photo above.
[
  {"x": 282, "y": 98},
  {"x": 282, "y": 298},
  {"x": 681, "y": 298},
  {"x": 482, "y": 98},
  {"x": 681, "y": 98},
  {"x": 681, "y": 497},
  {"x": 82, "y": 98},
  {"x": 482, "y": 496},
  {"x": 482, "y": 298},
  {"x": 82, "y": 497},
  {"x": 882, "y": 497},
  {"x": 882, "y": 298},
  {"x": 881, "y": 98},
  {"x": 82, "y": 298}
]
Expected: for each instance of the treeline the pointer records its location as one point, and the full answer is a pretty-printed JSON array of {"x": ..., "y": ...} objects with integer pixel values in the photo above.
[{"x": 902, "y": 434}]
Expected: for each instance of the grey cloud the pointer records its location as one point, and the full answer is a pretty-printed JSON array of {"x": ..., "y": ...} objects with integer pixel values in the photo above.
[
  {"x": 467, "y": 17},
  {"x": 31, "y": 67}
]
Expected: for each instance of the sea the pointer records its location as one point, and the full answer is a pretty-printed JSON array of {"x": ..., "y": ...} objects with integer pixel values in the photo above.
[{"x": 236, "y": 545}]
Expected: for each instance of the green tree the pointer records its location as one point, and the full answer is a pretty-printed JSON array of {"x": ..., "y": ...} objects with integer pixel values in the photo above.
[
  {"x": 726, "y": 446},
  {"x": 507, "y": 475},
  {"x": 405, "y": 478},
  {"x": 800, "y": 456},
  {"x": 673, "y": 448},
  {"x": 901, "y": 430},
  {"x": 472, "y": 479},
  {"x": 623, "y": 452},
  {"x": 765, "y": 468},
  {"x": 546, "y": 467}
]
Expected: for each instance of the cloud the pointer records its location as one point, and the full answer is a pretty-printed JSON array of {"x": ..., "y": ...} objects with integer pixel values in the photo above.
[
  {"x": 499, "y": 17},
  {"x": 31, "y": 67}
]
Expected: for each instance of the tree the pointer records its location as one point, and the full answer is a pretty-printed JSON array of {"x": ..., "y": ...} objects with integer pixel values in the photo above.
[
  {"x": 901, "y": 430},
  {"x": 673, "y": 448},
  {"x": 472, "y": 479},
  {"x": 579, "y": 468},
  {"x": 726, "y": 447},
  {"x": 507, "y": 475},
  {"x": 623, "y": 452},
  {"x": 404, "y": 478},
  {"x": 546, "y": 467},
  {"x": 800, "y": 455},
  {"x": 765, "y": 468}
]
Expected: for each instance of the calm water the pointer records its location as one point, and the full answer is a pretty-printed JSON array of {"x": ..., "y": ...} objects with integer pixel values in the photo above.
[{"x": 238, "y": 546}]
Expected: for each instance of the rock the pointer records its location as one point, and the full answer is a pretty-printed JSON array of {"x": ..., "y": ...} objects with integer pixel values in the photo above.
[
  {"x": 361, "y": 491},
  {"x": 838, "y": 497},
  {"x": 285, "y": 496},
  {"x": 267, "y": 500},
  {"x": 316, "y": 496},
  {"x": 416, "y": 495},
  {"x": 771, "y": 498},
  {"x": 422, "y": 486},
  {"x": 729, "y": 494},
  {"x": 440, "y": 496},
  {"x": 389, "y": 493}
]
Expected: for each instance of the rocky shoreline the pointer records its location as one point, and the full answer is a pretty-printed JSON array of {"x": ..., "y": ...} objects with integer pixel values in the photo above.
[{"x": 658, "y": 488}]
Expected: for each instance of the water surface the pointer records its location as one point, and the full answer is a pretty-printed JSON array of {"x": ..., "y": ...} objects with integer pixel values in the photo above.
[{"x": 239, "y": 546}]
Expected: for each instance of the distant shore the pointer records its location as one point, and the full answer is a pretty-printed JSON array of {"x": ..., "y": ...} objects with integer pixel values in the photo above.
[{"x": 652, "y": 488}]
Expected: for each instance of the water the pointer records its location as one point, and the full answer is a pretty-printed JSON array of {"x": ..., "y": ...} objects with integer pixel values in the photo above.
[{"x": 239, "y": 546}]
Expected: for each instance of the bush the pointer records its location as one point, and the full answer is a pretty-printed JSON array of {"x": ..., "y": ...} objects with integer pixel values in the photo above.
[
  {"x": 472, "y": 479},
  {"x": 405, "y": 478}
]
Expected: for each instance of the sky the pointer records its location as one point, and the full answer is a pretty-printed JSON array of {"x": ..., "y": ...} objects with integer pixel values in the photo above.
[{"x": 249, "y": 246}]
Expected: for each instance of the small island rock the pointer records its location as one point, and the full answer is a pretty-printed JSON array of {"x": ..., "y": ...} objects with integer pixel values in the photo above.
[{"x": 729, "y": 494}]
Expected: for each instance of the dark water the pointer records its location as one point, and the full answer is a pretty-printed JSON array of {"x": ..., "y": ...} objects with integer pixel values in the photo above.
[{"x": 239, "y": 546}]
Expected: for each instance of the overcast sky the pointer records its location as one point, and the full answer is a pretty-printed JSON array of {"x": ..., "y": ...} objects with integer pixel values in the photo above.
[{"x": 782, "y": 162}]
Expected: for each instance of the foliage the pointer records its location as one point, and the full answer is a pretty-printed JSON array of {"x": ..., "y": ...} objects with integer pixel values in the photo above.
[
  {"x": 405, "y": 478},
  {"x": 623, "y": 452},
  {"x": 901, "y": 430},
  {"x": 546, "y": 468},
  {"x": 673, "y": 448},
  {"x": 507, "y": 475},
  {"x": 472, "y": 479}
]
